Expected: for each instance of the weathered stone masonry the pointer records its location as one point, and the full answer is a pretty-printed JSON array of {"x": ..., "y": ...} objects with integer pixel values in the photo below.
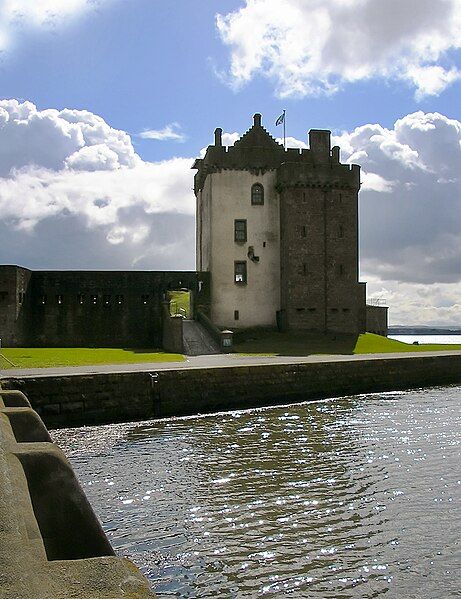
[
  {"x": 77, "y": 400},
  {"x": 51, "y": 543},
  {"x": 89, "y": 308},
  {"x": 298, "y": 241}
]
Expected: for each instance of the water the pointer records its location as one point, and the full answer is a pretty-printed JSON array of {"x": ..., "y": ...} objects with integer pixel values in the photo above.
[
  {"x": 353, "y": 497},
  {"x": 445, "y": 339}
]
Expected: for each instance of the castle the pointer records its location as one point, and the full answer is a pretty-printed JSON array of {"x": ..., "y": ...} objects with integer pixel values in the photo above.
[
  {"x": 277, "y": 245},
  {"x": 278, "y": 230}
]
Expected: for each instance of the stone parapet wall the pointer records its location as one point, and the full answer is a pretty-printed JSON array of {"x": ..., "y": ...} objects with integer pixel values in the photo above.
[
  {"x": 89, "y": 399},
  {"x": 377, "y": 320},
  {"x": 90, "y": 308},
  {"x": 51, "y": 543}
]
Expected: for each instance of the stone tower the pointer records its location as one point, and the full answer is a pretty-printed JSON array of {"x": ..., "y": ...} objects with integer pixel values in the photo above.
[{"x": 278, "y": 231}]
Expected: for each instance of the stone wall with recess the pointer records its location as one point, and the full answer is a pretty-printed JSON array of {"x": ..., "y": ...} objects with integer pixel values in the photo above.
[
  {"x": 90, "y": 308},
  {"x": 51, "y": 543},
  {"x": 90, "y": 399}
]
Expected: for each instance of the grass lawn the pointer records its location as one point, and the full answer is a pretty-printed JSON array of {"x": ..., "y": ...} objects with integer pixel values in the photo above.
[
  {"x": 179, "y": 303},
  {"x": 304, "y": 344},
  {"x": 38, "y": 357}
]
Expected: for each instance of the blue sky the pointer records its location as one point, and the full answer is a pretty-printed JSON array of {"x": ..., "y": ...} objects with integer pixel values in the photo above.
[
  {"x": 82, "y": 191},
  {"x": 143, "y": 64}
]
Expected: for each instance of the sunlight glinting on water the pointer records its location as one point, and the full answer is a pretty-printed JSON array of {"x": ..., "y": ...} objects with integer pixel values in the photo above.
[{"x": 352, "y": 497}]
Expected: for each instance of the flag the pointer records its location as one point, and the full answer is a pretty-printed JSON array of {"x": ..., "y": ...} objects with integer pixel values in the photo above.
[{"x": 281, "y": 119}]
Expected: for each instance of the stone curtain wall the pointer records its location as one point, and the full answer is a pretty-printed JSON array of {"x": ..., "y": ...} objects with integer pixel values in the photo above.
[
  {"x": 90, "y": 308},
  {"x": 377, "y": 320},
  {"x": 14, "y": 304},
  {"x": 90, "y": 399}
]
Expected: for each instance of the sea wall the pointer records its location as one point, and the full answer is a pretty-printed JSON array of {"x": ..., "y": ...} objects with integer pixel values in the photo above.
[
  {"x": 76, "y": 400},
  {"x": 51, "y": 543}
]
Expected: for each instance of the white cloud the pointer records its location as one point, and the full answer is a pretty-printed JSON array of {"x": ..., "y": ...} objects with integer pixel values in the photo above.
[
  {"x": 374, "y": 182},
  {"x": 229, "y": 139},
  {"x": 315, "y": 46},
  {"x": 16, "y": 15},
  {"x": 74, "y": 194},
  {"x": 411, "y": 214},
  {"x": 169, "y": 132},
  {"x": 417, "y": 304},
  {"x": 292, "y": 142},
  {"x": 71, "y": 164}
]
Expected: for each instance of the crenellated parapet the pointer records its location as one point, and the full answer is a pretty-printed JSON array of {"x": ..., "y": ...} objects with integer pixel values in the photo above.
[{"x": 258, "y": 152}]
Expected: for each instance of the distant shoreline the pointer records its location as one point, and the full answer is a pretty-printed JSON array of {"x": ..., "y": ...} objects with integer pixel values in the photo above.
[{"x": 422, "y": 331}]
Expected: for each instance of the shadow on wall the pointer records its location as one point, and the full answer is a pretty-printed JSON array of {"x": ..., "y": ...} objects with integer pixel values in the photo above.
[{"x": 254, "y": 341}]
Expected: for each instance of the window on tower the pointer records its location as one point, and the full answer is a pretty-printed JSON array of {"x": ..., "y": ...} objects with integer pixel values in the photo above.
[
  {"x": 257, "y": 194},
  {"x": 240, "y": 230},
  {"x": 240, "y": 273}
]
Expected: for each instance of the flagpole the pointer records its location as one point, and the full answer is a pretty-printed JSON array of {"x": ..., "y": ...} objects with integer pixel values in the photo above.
[{"x": 284, "y": 131}]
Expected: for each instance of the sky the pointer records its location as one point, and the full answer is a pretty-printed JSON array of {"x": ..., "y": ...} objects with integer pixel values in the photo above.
[{"x": 104, "y": 104}]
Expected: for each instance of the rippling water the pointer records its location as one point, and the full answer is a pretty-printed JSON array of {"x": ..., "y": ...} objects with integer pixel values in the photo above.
[{"x": 352, "y": 497}]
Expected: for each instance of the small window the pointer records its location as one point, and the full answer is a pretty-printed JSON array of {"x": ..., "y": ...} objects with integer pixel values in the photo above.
[
  {"x": 240, "y": 230},
  {"x": 341, "y": 269},
  {"x": 264, "y": 244},
  {"x": 300, "y": 309},
  {"x": 106, "y": 300},
  {"x": 304, "y": 231},
  {"x": 236, "y": 315},
  {"x": 59, "y": 299},
  {"x": 144, "y": 299},
  {"x": 346, "y": 310},
  {"x": 334, "y": 310},
  {"x": 304, "y": 269},
  {"x": 81, "y": 299},
  {"x": 119, "y": 299},
  {"x": 312, "y": 309},
  {"x": 340, "y": 232},
  {"x": 43, "y": 299},
  {"x": 240, "y": 273},
  {"x": 94, "y": 299},
  {"x": 257, "y": 195}
]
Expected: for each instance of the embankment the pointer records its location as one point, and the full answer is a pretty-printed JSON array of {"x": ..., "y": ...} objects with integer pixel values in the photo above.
[
  {"x": 75, "y": 400},
  {"x": 51, "y": 543}
]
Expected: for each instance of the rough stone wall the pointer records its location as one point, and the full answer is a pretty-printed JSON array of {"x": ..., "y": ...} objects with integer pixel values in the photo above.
[
  {"x": 51, "y": 543},
  {"x": 319, "y": 248},
  {"x": 172, "y": 337},
  {"x": 315, "y": 234},
  {"x": 88, "y": 399},
  {"x": 14, "y": 304},
  {"x": 377, "y": 320},
  {"x": 91, "y": 308}
]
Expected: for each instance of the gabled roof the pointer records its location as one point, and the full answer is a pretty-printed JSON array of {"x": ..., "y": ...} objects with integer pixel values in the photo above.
[{"x": 257, "y": 136}]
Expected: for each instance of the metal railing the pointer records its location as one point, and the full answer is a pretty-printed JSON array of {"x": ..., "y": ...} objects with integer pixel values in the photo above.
[{"x": 377, "y": 301}]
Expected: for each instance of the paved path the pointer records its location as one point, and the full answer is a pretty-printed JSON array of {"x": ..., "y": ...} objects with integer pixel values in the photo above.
[{"x": 213, "y": 361}]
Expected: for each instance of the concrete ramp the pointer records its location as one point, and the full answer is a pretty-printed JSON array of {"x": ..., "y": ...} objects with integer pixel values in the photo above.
[{"x": 197, "y": 340}]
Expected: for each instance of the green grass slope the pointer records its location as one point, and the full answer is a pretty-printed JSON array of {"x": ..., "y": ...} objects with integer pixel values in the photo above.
[
  {"x": 38, "y": 357},
  {"x": 304, "y": 344}
]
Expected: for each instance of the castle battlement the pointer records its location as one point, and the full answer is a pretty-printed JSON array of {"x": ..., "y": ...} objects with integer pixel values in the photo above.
[{"x": 278, "y": 231}]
